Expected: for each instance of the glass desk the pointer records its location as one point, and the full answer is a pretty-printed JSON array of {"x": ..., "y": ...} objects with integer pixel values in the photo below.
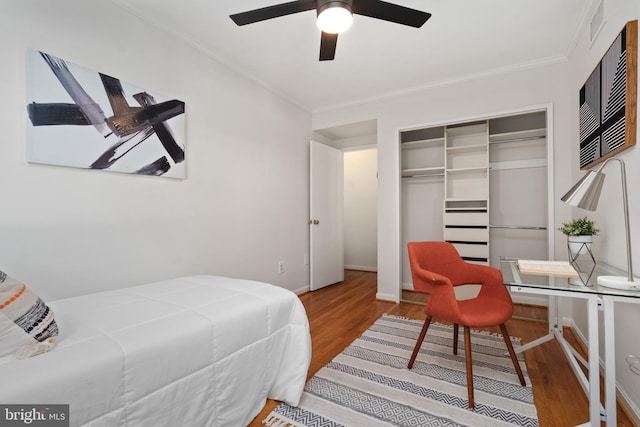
[{"x": 598, "y": 298}]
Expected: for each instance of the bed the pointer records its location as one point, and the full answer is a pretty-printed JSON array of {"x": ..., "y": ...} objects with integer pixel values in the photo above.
[{"x": 193, "y": 351}]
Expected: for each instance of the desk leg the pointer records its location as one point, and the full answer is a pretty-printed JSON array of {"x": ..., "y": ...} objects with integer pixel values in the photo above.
[
  {"x": 555, "y": 325},
  {"x": 594, "y": 365},
  {"x": 534, "y": 343},
  {"x": 610, "y": 362},
  {"x": 555, "y": 314}
]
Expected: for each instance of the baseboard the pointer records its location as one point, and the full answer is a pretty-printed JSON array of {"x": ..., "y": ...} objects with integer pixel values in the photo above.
[
  {"x": 360, "y": 268},
  {"x": 627, "y": 404},
  {"x": 301, "y": 290},
  {"x": 386, "y": 297},
  {"x": 529, "y": 299}
]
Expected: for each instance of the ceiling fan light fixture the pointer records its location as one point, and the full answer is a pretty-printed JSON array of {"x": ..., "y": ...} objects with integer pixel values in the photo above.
[{"x": 334, "y": 17}]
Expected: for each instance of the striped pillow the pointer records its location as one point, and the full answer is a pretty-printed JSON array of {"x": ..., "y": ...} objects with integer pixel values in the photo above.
[{"x": 27, "y": 326}]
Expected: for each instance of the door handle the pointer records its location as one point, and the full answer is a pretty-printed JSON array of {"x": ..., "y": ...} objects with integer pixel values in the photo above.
[{"x": 314, "y": 221}]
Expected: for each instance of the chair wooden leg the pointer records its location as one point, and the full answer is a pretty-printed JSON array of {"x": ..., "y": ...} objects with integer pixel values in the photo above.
[
  {"x": 423, "y": 332},
  {"x": 455, "y": 338},
  {"x": 512, "y": 353},
  {"x": 467, "y": 356}
]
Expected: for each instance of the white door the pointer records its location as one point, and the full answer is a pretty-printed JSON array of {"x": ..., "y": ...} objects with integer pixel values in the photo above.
[{"x": 326, "y": 199}]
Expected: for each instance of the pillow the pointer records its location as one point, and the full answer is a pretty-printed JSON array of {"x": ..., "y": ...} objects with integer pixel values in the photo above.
[{"x": 27, "y": 326}]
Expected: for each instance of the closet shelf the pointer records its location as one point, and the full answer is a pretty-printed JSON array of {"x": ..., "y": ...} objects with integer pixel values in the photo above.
[
  {"x": 467, "y": 170},
  {"x": 422, "y": 172},
  {"x": 467, "y": 148},
  {"x": 421, "y": 143},
  {"x": 451, "y": 202},
  {"x": 519, "y": 136}
]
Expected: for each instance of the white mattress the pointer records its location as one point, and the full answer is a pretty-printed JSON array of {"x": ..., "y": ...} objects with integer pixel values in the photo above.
[{"x": 194, "y": 351}]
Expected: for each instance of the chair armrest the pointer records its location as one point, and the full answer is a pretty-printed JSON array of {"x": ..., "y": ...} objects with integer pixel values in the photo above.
[
  {"x": 442, "y": 302},
  {"x": 433, "y": 283},
  {"x": 491, "y": 280},
  {"x": 431, "y": 278},
  {"x": 486, "y": 274}
]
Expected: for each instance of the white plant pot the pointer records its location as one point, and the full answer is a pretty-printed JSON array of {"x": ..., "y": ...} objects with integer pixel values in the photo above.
[{"x": 577, "y": 244}]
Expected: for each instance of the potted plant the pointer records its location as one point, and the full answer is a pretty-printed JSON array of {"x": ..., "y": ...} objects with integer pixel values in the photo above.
[{"x": 579, "y": 231}]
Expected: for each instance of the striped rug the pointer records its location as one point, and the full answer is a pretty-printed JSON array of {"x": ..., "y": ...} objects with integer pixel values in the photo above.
[{"x": 369, "y": 385}]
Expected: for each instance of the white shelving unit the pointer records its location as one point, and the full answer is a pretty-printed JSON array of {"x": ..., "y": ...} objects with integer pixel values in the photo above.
[
  {"x": 466, "y": 205},
  {"x": 490, "y": 180}
]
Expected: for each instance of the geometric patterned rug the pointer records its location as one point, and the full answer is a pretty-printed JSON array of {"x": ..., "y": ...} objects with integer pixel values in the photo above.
[{"x": 369, "y": 385}]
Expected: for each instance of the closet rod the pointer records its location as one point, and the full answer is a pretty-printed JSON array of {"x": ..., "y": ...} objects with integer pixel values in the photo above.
[
  {"x": 518, "y": 227},
  {"x": 525, "y": 138}
]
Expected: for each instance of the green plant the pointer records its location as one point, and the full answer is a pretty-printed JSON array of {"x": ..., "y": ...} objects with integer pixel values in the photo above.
[{"x": 579, "y": 227}]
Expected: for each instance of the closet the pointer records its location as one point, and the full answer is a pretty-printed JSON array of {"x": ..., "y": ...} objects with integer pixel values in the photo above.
[{"x": 482, "y": 185}]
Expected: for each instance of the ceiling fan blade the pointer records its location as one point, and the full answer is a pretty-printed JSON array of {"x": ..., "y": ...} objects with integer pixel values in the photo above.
[
  {"x": 390, "y": 12},
  {"x": 275, "y": 11},
  {"x": 328, "y": 44}
]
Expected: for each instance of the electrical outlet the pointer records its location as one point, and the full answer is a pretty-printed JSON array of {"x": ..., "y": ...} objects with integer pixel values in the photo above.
[{"x": 280, "y": 267}]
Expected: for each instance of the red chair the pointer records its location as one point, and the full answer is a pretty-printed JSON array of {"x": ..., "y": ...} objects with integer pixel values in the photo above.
[{"x": 436, "y": 268}]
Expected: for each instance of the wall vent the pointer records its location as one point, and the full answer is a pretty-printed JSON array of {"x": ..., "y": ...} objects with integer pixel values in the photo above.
[{"x": 597, "y": 21}]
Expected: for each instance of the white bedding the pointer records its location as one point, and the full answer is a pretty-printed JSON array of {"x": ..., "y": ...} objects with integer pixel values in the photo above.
[{"x": 194, "y": 351}]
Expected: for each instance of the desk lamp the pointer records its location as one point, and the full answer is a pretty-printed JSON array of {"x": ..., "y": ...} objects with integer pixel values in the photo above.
[{"x": 585, "y": 195}]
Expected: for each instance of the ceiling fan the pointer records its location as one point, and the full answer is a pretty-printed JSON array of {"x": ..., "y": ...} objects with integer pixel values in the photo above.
[{"x": 335, "y": 16}]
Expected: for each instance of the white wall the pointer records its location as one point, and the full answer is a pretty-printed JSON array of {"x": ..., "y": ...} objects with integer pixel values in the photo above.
[
  {"x": 360, "y": 209},
  {"x": 242, "y": 208},
  {"x": 610, "y": 245}
]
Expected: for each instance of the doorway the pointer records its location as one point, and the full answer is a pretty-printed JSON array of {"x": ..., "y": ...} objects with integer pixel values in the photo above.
[
  {"x": 358, "y": 144},
  {"x": 361, "y": 209}
]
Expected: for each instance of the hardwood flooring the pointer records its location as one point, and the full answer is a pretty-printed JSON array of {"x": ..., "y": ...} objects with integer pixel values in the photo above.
[{"x": 340, "y": 313}]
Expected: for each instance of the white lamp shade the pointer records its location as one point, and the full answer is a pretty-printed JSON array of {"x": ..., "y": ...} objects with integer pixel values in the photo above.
[
  {"x": 335, "y": 19},
  {"x": 586, "y": 193}
]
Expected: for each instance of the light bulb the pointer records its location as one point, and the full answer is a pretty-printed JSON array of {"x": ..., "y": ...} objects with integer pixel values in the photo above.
[{"x": 335, "y": 19}]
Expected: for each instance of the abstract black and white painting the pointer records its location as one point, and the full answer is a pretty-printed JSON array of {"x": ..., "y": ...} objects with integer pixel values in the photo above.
[
  {"x": 608, "y": 101},
  {"x": 86, "y": 119}
]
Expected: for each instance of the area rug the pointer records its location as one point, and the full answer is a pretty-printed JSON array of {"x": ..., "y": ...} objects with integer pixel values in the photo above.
[{"x": 369, "y": 385}]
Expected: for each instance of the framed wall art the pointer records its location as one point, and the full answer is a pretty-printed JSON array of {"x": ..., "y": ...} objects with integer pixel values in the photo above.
[
  {"x": 82, "y": 118},
  {"x": 608, "y": 101}
]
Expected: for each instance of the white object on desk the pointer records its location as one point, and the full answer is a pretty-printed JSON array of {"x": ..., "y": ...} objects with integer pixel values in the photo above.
[{"x": 619, "y": 282}]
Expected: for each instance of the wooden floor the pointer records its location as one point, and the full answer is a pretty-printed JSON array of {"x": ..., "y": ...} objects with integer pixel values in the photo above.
[{"x": 340, "y": 313}]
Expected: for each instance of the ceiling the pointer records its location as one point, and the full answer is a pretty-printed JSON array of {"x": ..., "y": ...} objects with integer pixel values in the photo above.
[{"x": 374, "y": 58}]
